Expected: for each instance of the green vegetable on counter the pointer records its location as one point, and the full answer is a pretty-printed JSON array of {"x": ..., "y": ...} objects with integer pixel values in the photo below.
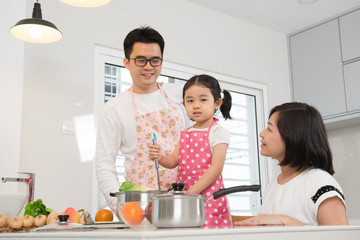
[
  {"x": 35, "y": 208},
  {"x": 129, "y": 186}
]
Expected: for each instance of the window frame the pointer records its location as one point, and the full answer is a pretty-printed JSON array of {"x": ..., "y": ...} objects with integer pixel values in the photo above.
[{"x": 115, "y": 56}]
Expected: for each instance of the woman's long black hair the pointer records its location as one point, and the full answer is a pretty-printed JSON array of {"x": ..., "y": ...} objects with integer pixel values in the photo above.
[
  {"x": 213, "y": 84},
  {"x": 303, "y": 132}
]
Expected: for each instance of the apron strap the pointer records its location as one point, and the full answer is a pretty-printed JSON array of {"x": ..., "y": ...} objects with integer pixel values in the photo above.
[
  {"x": 214, "y": 120},
  {"x": 165, "y": 95},
  {"x": 133, "y": 100}
]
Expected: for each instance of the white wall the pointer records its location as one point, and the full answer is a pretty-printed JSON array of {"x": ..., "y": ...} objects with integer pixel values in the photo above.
[
  {"x": 60, "y": 74},
  {"x": 11, "y": 83}
]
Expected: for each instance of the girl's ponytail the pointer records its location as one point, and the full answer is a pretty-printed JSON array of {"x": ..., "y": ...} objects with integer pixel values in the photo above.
[{"x": 226, "y": 105}]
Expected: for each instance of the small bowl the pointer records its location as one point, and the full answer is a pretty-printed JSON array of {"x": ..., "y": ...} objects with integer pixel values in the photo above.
[{"x": 137, "y": 215}]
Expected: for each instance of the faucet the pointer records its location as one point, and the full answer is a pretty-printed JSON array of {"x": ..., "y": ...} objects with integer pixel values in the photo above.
[{"x": 30, "y": 180}]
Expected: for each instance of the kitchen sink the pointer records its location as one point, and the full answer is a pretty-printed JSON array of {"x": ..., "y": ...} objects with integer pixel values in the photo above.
[{"x": 12, "y": 203}]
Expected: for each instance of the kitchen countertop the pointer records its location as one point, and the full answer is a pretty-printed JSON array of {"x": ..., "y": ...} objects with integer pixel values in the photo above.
[{"x": 350, "y": 232}]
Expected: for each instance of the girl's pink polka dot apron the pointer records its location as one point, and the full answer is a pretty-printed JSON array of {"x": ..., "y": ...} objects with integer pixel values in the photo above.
[
  {"x": 194, "y": 159},
  {"x": 166, "y": 124}
]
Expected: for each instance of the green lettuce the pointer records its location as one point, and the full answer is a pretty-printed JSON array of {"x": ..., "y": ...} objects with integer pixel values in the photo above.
[
  {"x": 35, "y": 208},
  {"x": 129, "y": 186}
]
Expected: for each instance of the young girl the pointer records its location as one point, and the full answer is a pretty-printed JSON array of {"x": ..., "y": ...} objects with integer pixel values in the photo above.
[
  {"x": 201, "y": 152},
  {"x": 304, "y": 193}
]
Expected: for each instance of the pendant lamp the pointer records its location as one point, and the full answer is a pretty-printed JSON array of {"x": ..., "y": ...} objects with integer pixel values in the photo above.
[
  {"x": 86, "y": 3},
  {"x": 35, "y": 29}
]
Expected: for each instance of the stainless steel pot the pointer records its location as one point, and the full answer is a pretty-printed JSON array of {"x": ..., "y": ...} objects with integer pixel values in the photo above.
[{"x": 178, "y": 209}]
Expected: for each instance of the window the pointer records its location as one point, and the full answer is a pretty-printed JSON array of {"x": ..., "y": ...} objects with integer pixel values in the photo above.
[{"x": 242, "y": 165}]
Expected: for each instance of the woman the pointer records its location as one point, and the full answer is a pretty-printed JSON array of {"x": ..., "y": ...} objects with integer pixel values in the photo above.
[{"x": 305, "y": 193}]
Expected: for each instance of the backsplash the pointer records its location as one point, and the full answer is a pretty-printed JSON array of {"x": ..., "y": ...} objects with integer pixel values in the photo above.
[{"x": 345, "y": 145}]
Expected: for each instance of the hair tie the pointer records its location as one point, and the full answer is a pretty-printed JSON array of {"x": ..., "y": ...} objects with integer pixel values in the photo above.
[{"x": 221, "y": 93}]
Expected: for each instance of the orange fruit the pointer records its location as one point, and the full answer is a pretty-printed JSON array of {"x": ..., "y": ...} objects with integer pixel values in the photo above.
[
  {"x": 104, "y": 215},
  {"x": 132, "y": 213}
]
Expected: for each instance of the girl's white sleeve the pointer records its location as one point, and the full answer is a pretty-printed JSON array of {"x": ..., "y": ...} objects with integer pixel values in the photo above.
[{"x": 218, "y": 134}]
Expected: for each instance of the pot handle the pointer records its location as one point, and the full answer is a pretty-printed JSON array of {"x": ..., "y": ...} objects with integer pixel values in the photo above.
[{"x": 243, "y": 188}]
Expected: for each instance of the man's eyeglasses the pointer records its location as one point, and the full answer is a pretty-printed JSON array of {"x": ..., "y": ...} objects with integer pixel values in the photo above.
[{"x": 141, "y": 61}]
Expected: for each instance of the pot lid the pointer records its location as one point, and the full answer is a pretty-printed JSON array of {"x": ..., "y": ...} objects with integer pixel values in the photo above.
[{"x": 63, "y": 225}]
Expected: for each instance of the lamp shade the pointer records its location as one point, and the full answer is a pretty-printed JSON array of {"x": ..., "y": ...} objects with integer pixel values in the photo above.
[
  {"x": 35, "y": 29},
  {"x": 86, "y": 3}
]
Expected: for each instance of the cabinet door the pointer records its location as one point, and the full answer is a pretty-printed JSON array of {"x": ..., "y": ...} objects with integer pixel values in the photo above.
[
  {"x": 352, "y": 85},
  {"x": 350, "y": 35},
  {"x": 317, "y": 68}
]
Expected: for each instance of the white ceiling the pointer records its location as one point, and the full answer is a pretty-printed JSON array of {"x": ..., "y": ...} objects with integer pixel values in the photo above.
[{"x": 285, "y": 16}]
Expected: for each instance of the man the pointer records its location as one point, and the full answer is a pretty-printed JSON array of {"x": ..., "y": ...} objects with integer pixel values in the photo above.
[{"x": 129, "y": 120}]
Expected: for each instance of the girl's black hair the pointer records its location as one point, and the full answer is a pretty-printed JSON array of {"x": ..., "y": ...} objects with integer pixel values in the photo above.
[
  {"x": 303, "y": 132},
  {"x": 213, "y": 84}
]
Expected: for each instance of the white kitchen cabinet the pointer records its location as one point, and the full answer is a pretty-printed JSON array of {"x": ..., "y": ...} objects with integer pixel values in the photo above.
[
  {"x": 352, "y": 85},
  {"x": 325, "y": 68},
  {"x": 317, "y": 70},
  {"x": 350, "y": 35}
]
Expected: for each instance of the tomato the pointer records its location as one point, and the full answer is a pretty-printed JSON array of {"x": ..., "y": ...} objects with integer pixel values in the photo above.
[{"x": 132, "y": 213}]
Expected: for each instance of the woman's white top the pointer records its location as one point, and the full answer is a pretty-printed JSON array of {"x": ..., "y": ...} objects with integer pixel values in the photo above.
[{"x": 301, "y": 197}]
